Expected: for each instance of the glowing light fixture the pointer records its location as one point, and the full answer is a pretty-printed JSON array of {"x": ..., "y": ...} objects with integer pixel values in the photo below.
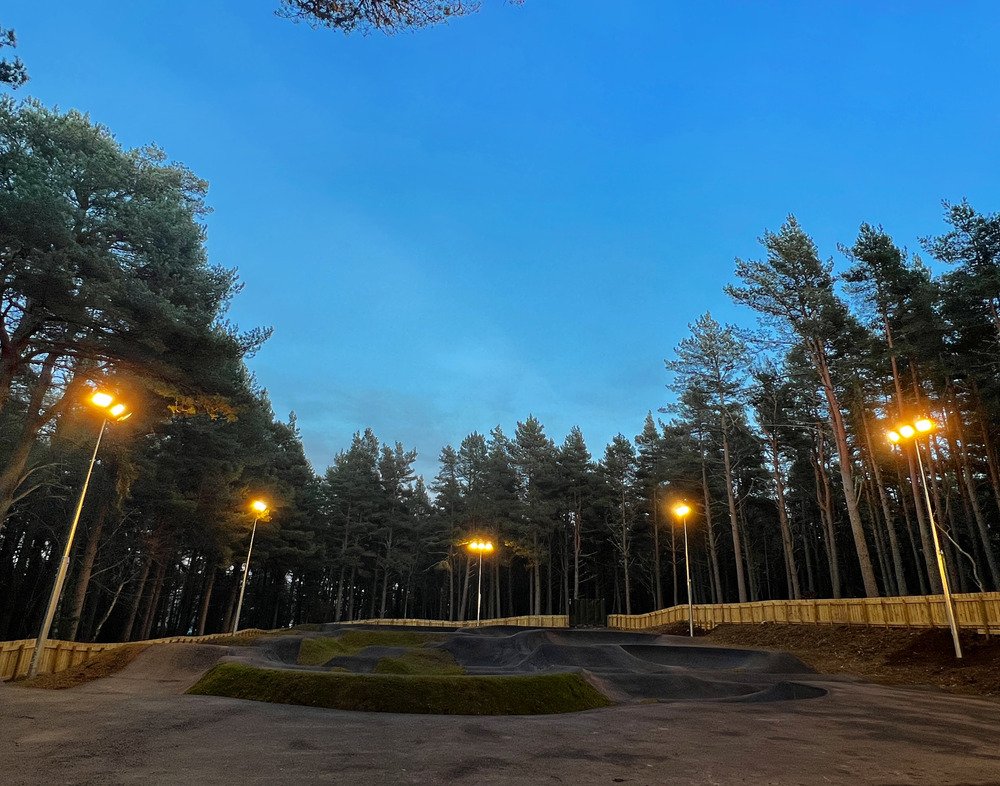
[{"x": 102, "y": 399}]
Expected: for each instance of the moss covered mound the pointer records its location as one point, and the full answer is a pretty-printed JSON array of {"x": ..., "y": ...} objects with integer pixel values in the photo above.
[
  {"x": 420, "y": 661},
  {"x": 431, "y": 694},
  {"x": 318, "y": 650}
]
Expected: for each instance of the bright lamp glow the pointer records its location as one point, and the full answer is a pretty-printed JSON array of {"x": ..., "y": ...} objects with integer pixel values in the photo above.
[
  {"x": 259, "y": 505},
  {"x": 924, "y": 425},
  {"x": 116, "y": 410},
  {"x": 681, "y": 510},
  {"x": 893, "y": 436},
  {"x": 907, "y": 430},
  {"x": 102, "y": 399},
  {"x": 480, "y": 545}
]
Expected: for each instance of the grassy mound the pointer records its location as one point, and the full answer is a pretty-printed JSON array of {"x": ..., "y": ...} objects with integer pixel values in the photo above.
[
  {"x": 420, "y": 661},
  {"x": 432, "y": 694},
  {"x": 317, "y": 651},
  {"x": 103, "y": 664}
]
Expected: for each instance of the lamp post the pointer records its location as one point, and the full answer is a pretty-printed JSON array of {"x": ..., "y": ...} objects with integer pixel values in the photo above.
[
  {"x": 480, "y": 547},
  {"x": 681, "y": 510},
  {"x": 112, "y": 410},
  {"x": 905, "y": 432},
  {"x": 259, "y": 508}
]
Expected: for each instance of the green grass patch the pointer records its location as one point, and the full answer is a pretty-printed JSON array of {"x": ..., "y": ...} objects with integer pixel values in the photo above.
[
  {"x": 420, "y": 661},
  {"x": 318, "y": 650},
  {"x": 536, "y": 694}
]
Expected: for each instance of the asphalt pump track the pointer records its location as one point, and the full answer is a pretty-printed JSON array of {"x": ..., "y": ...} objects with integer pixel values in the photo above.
[{"x": 629, "y": 668}]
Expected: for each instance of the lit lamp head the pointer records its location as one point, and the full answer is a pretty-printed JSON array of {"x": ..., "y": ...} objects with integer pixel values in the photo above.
[
  {"x": 113, "y": 410},
  {"x": 681, "y": 510},
  {"x": 906, "y": 431},
  {"x": 259, "y": 506},
  {"x": 482, "y": 546}
]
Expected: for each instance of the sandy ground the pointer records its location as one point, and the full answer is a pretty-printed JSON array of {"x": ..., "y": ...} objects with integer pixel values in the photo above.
[{"x": 138, "y": 727}]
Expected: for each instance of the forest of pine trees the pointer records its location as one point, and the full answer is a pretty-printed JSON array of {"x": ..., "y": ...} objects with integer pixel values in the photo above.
[{"x": 776, "y": 436}]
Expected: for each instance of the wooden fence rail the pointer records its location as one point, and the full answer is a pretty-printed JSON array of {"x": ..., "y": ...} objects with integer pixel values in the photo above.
[
  {"x": 974, "y": 610},
  {"x": 15, "y": 656}
]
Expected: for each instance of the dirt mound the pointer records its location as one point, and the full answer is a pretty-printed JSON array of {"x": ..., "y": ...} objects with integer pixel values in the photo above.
[
  {"x": 894, "y": 656},
  {"x": 162, "y": 669}
]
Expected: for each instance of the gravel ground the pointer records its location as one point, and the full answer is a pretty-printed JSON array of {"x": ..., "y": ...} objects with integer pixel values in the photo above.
[{"x": 127, "y": 730}]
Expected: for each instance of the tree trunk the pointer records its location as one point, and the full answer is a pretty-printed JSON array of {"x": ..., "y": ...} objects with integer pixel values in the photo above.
[
  {"x": 137, "y": 598},
  {"x": 206, "y": 594},
  {"x": 154, "y": 600},
  {"x": 791, "y": 570},
  {"x": 897, "y": 556},
  {"x": 465, "y": 591},
  {"x": 86, "y": 568},
  {"x": 846, "y": 473},
  {"x": 733, "y": 519},
  {"x": 657, "y": 582},
  {"x": 709, "y": 534},
  {"x": 977, "y": 512},
  {"x": 824, "y": 496}
]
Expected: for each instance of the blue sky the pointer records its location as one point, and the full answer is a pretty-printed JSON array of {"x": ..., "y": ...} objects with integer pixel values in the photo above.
[{"x": 520, "y": 212}]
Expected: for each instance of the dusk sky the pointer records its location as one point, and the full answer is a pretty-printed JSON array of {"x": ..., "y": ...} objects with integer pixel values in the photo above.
[{"x": 521, "y": 211}]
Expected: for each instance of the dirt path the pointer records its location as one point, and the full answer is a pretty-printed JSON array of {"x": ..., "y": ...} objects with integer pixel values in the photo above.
[{"x": 161, "y": 670}]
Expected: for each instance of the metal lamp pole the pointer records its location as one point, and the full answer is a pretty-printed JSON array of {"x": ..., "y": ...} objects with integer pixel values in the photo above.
[
  {"x": 246, "y": 570},
  {"x": 479, "y": 591},
  {"x": 913, "y": 430},
  {"x": 50, "y": 612},
  {"x": 942, "y": 570},
  {"x": 681, "y": 510},
  {"x": 687, "y": 570}
]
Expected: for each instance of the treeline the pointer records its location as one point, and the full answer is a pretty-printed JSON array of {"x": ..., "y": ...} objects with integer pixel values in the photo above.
[{"x": 776, "y": 438}]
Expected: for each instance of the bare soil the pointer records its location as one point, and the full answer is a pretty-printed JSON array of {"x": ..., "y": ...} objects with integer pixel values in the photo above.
[
  {"x": 891, "y": 656},
  {"x": 103, "y": 664}
]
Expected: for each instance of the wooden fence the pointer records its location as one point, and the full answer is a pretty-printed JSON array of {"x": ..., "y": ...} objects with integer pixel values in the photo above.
[
  {"x": 976, "y": 610},
  {"x": 15, "y": 656}
]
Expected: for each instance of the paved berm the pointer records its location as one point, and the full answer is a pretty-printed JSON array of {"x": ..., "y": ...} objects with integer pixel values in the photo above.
[{"x": 687, "y": 712}]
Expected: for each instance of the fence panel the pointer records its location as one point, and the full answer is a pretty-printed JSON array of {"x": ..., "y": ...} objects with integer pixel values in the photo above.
[{"x": 976, "y": 610}]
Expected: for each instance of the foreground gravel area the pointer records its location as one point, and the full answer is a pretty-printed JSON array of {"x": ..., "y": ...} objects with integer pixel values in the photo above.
[{"x": 125, "y": 731}]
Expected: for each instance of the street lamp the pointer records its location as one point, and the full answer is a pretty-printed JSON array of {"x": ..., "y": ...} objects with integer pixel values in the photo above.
[
  {"x": 480, "y": 547},
  {"x": 113, "y": 410},
  {"x": 681, "y": 510},
  {"x": 259, "y": 507},
  {"x": 903, "y": 433}
]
